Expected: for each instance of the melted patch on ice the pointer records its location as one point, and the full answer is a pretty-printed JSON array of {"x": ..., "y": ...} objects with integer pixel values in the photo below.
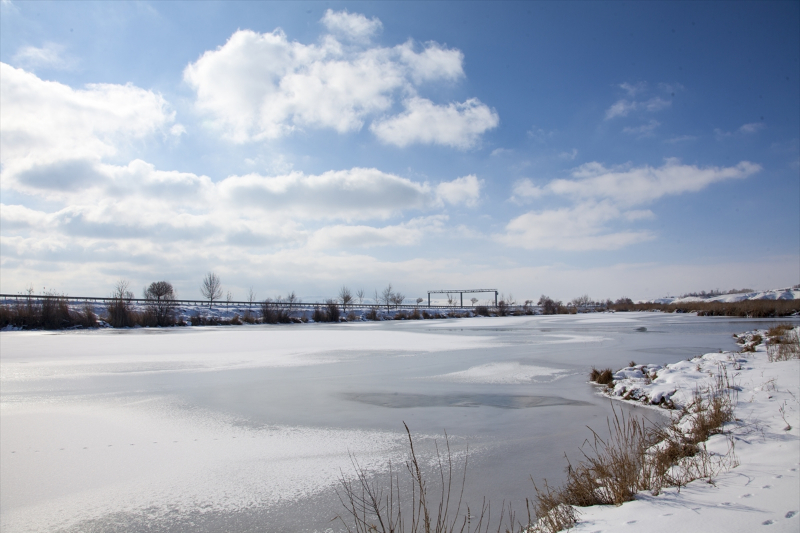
[
  {"x": 503, "y": 401},
  {"x": 502, "y": 373}
]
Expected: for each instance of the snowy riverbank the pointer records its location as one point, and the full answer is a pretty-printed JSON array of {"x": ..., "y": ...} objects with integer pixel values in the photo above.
[{"x": 763, "y": 491}]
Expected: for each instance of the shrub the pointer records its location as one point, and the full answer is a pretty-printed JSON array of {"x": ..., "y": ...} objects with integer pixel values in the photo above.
[
  {"x": 319, "y": 315},
  {"x": 160, "y": 297},
  {"x": 482, "y": 310},
  {"x": 601, "y": 377},
  {"x": 372, "y": 314},
  {"x": 332, "y": 310},
  {"x": 785, "y": 347},
  {"x": 120, "y": 311}
]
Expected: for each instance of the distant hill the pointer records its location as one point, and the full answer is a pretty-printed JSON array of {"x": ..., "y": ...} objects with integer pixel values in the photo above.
[{"x": 789, "y": 293}]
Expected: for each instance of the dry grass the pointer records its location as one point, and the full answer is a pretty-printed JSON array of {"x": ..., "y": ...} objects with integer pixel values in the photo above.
[
  {"x": 783, "y": 343},
  {"x": 638, "y": 455},
  {"x": 747, "y": 308},
  {"x": 601, "y": 377},
  {"x": 408, "y": 504}
]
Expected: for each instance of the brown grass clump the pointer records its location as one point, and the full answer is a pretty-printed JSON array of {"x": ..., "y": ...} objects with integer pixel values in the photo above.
[
  {"x": 784, "y": 345},
  {"x": 778, "y": 330},
  {"x": 746, "y": 308},
  {"x": 372, "y": 508},
  {"x": 638, "y": 455},
  {"x": 601, "y": 377}
]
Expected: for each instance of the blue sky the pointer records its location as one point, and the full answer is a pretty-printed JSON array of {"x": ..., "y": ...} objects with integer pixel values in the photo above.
[{"x": 638, "y": 149}]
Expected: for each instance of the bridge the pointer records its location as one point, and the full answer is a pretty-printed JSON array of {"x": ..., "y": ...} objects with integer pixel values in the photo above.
[{"x": 461, "y": 293}]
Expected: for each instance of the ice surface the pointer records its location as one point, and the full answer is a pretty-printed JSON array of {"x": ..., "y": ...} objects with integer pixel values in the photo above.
[
  {"x": 763, "y": 492},
  {"x": 497, "y": 373},
  {"x": 247, "y": 428}
]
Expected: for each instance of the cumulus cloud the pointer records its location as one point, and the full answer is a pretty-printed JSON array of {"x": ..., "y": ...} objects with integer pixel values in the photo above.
[
  {"x": 50, "y": 56},
  {"x": 351, "y": 25},
  {"x": 360, "y": 236},
  {"x": 466, "y": 190},
  {"x": 578, "y": 228},
  {"x": 44, "y": 121},
  {"x": 753, "y": 127},
  {"x": 621, "y": 108},
  {"x": 354, "y": 194},
  {"x": 525, "y": 189},
  {"x": 264, "y": 86},
  {"x": 638, "y": 185},
  {"x": 645, "y": 130},
  {"x": 459, "y": 125},
  {"x": 604, "y": 197},
  {"x": 63, "y": 146}
]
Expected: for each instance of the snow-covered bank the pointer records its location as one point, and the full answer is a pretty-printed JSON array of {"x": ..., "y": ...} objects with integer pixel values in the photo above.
[
  {"x": 788, "y": 293},
  {"x": 762, "y": 491}
]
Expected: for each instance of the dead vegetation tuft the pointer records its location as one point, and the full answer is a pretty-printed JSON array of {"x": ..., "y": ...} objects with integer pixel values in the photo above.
[
  {"x": 638, "y": 455},
  {"x": 601, "y": 377},
  {"x": 783, "y": 343}
]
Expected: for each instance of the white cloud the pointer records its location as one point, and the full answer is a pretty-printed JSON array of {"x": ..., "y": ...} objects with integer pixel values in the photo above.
[
  {"x": 44, "y": 121},
  {"x": 604, "y": 196},
  {"x": 569, "y": 155},
  {"x": 578, "y": 228},
  {"x": 540, "y": 135},
  {"x": 264, "y": 86},
  {"x": 753, "y": 127},
  {"x": 459, "y": 125},
  {"x": 465, "y": 190},
  {"x": 351, "y": 25},
  {"x": 501, "y": 151},
  {"x": 645, "y": 130},
  {"x": 525, "y": 189},
  {"x": 355, "y": 194},
  {"x": 406, "y": 234},
  {"x": 49, "y": 56},
  {"x": 640, "y": 185},
  {"x": 633, "y": 88},
  {"x": 620, "y": 108},
  {"x": 656, "y": 104}
]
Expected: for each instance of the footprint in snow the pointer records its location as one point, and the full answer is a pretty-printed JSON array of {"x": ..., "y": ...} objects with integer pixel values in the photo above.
[
  {"x": 767, "y": 487},
  {"x": 745, "y": 495},
  {"x": 629, "y": 522},
  {"x": 767, "y": 523},
  {"x": 725, "y": 503},
  {"x": 790, "y": 514}
]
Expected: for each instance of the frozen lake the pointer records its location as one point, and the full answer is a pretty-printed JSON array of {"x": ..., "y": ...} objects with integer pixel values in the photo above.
[{"x": 248, "y": 428}]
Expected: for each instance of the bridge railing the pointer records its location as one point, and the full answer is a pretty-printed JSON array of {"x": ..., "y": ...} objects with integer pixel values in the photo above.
[{"x": 22, "y": 298}]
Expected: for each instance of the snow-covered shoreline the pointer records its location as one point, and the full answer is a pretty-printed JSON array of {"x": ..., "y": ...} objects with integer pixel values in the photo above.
[{"x": 762, "y": 491}]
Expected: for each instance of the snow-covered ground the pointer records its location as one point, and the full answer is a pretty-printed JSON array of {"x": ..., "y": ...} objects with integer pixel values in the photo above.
[
  {"x": 789, "y": 293},
  {"x": 763, "y": 491}
]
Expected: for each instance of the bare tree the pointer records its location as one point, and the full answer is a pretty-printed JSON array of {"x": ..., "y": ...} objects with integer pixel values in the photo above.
[
  {"x": 360, "y": 295},
  {"x": 581, "y": 301},
  {"x": 387, "y": 296},
  {"x": 160, "y": 296},
  {"x": 419, "y": 301},
  {"x": 548, "y": 305},
  {"x": 211, "y": 288},
  {"x": 291, "y": 299},
  {"x": 345, "y": 297},
  {"x": 228, "y": 299},
  {"x": 120, "y": 314},
  {"x": 251, "y": 297},
  {"x": 474, "y": 301},
  {"x": 451, "y": 300},
  {"x": 398, "y": 299}
]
